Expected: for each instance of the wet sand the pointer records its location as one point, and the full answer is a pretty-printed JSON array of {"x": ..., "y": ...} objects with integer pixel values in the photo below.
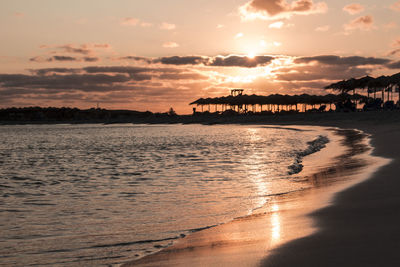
[
  {"x": 355, "y": 228},
  {"x": 362, "y": 227}
]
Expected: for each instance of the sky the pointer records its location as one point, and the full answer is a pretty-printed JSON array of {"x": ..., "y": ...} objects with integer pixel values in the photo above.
[{"x": 156, "y": 54}]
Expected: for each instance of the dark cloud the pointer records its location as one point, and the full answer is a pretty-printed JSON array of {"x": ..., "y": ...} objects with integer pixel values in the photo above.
[
  {"x": 95, "y": 79},
  {"x": 320, "y": 72},
  {"x": 116, "y": 69},
  {"x": 36, "y": 59},
  {"x": 62, "y": 58},
  {"x": 218, "y": 61},
  {"x": 136, "y": 58},
  {"x": 240, "y": 61},
  {"x": 350, "y": 61},
  {"x": 394, "y": 65},
  {"x": 182, "y": 76},
  {"x": 54, "y": 70},
  {"x": 91, "y": 59},
  {"x": 187, "y": 60},
  {"x": 84, "y": 50},
  {"x": 70, "y": 81}
]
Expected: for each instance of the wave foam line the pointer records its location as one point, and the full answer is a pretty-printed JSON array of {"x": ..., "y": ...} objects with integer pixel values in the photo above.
[{"x": 313, "y": 147}]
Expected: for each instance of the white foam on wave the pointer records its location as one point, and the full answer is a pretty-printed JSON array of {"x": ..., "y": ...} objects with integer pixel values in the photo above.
[{"x": 313, "y": 147}]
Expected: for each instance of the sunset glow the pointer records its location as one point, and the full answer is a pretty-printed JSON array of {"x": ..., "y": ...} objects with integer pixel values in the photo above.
[{"x": 156, "y": 55}]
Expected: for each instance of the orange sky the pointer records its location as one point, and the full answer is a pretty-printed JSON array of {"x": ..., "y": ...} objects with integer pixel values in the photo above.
[{"x": 153, "y": 55}]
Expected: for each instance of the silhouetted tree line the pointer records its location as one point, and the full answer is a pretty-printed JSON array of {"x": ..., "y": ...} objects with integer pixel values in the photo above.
[{"x": 52, "y": 114}]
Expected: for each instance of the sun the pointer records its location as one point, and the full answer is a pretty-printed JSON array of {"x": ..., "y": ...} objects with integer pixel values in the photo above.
[{"x": 251, "y": 55}]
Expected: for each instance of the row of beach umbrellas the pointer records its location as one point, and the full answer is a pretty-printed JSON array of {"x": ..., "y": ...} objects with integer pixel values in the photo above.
[
  {"x": 277, "y": 99},
  {"x": 372, "y": 85}
]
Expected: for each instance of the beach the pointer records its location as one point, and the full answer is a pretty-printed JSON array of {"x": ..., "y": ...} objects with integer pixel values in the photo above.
[
  {"x": 352, "y": 223},
  {"x": 361, "y": 227}
]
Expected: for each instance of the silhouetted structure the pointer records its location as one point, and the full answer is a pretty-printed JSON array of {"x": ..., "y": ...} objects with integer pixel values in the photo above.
[
  {"x": 313, "y": 103},
  {"x": 236, "y": 92},
  {"x": 381, "y": 84},
  {"x": 274, "y": 103}
]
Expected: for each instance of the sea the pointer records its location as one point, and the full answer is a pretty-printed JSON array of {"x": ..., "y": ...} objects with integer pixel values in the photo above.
[{"x": 102, "y": 195}]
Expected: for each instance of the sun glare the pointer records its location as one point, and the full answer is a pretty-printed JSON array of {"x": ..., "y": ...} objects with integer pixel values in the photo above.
[{"x": 251, "y": 55}]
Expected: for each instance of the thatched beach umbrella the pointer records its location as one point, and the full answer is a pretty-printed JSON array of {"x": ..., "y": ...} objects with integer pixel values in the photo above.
[
  {"x": 380, "y": 84},
  {"x": 394, "y": 80},
  {"x": 338, "y": 86},
  {"x": 363, "y": 83}
]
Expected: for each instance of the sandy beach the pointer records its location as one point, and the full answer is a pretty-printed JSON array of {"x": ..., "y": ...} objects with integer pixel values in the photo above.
[
  {"x": 352, "y": 222},
  {"x": 361, "y": 227}
]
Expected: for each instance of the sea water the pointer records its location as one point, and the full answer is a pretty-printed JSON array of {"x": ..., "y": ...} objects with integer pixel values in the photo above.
[{"x": 100, "y": 195}]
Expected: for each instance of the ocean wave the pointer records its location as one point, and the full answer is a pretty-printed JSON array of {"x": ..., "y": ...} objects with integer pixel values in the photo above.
[{"x": 313, "y": 147}]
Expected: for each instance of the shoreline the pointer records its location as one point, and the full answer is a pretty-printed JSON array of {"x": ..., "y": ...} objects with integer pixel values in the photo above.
[
  {"x": 361, "y": 227},
  {"x": 308, "y": 118},
  {"x": 240, "y": 238}
]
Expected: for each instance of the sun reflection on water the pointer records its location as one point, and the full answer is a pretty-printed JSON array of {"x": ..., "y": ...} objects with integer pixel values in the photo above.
[{"x": 255, "y": 163}]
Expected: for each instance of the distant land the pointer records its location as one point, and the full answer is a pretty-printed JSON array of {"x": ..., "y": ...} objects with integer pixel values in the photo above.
[{"x": 53, "y": 115}]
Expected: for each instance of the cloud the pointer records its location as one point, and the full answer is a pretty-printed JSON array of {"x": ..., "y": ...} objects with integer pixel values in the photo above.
[
  {"x": 170, "y": 45},
  {"x": 129, "y": 21},
  {"x": 394, "y": 52},
  {"x": 353, "y": 9},
  {"x": 40, "y": 59},
  {"x": 135, "y": 22},
  {"x": 240, "y": 61},
  {"x": 84, "y": 82},
  {"x": 323, "y": 28},
  {"x": 365, "y": 23},
  {"x": 146, "y": 24},
  {"x": 179, "y": 60},
  {"x": 104, "y": 46},
  {"x": 337, "y": 60},
  {"x": 396, "y": 6},
  {"x": 278, "y": 9},
  {"x": 277, "y": 44},
  {"x": 319, "y": 72},
  {"x": 61, "y": 58},
  {"x": 71, "y": 52},
  {"x": 394, "y": 65},
  {"x": 177, "y": 80},
  {"x": 220, "y": 26},
  {"x": 91, "y": 59},
  {"x": 395, "y": 44},
  {"x": 183, "y": 76},
  {"x": 167, "y": 26},
  {"x": 218, "y": 61},
  {"x": 239, "y": 35},
  {"x": 135, "y": 58},
  {"x": 276, "y": 25},
  {"x": 105, "y": 84},
  {"x": 48, "y": 71},
  {"x": 83, "y": 49}
]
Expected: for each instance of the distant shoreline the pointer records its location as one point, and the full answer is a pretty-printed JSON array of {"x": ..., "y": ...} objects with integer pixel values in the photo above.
[{"x": 324, "y": 118}]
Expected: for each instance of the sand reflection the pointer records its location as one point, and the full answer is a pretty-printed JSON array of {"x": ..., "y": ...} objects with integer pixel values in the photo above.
[{"x": 275, "y": 225}]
